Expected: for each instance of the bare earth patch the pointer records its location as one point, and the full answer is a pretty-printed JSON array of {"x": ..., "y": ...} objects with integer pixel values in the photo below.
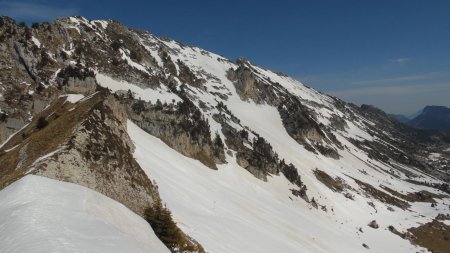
[{"x": 435, "y": 236}]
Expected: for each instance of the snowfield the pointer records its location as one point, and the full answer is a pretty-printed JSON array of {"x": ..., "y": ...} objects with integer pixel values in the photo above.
[
  {"x": 73, "y": 98},
  {"x": 144, "y": 94},
  {"x": 38, "y": 214},
  {"x": 230, "y": 210}
]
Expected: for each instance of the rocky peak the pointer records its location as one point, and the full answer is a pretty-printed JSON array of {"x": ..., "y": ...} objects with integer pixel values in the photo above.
[{"x": 241, "y": 60}]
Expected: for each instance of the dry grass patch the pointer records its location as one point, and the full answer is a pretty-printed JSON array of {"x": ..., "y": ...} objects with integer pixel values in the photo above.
[
  {"x": 382, "y": 196},
  {"x": 421, "y": 196},
  {"x": 204, "y": 158},
  {"x": 335, "y": 184},
  {"x": 31, "y": 142},
  {"x": 435, "y": 236}
]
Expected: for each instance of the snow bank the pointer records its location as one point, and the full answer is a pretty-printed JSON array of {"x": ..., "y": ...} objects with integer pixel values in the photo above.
[
  {"x": 229, "y": 210},
  {"x": 144, "y": 94},
  {"x": 133, "y": 63},
  {"x": 12, "y": 135},
  {"x": 36, "y": 41},
  {"x": 38, "y": 214},
  {"x": 73, "y": 98}
]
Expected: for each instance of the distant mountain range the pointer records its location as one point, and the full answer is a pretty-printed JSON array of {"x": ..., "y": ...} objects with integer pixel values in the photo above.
[
  {"x": 431, "y": 117},
  {"x": 400, "y": 118}
]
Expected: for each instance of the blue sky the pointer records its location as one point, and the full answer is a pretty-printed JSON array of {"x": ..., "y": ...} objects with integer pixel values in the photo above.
[{"x": 392, "y": 54}]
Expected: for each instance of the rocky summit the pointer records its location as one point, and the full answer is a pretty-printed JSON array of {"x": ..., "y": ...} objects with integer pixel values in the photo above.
[{"x": 116, "y": 140}]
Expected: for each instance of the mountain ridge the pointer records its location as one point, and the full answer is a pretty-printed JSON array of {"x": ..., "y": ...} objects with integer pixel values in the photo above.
[
  {"x": 400, "y": 118},
  {"x": 160, "y": 102},
  {"x": 433, "y": 117}
]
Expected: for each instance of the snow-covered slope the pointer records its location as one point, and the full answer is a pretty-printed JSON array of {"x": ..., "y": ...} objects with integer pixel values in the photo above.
[
  {"x": 38, "y": 214},
  {"x": 247, "y": 160},
  {"x": 229, "y": 210}
]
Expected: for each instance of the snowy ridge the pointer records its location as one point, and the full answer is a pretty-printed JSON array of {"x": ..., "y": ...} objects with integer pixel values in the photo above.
[{"x": 43, "y": 215}]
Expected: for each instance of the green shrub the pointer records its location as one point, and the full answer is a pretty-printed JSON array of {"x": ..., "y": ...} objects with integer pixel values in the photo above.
[
  {"x": 115, "y": 45},
  {"x": 41, "y": 123},
  {"x": 160, "y": 219},
  {"x": 3, "y": 117}
]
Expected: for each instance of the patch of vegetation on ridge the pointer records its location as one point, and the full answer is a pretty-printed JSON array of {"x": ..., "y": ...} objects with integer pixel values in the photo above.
[
  {"x": 161, "y": 221},
  {"x": 434, "y": 236},
  {"x": 382, "y": 196},
  {"x": 335, "y": 184},
  {"x": 421, "y": 196},
  {"x": 445, "y": 187},
  {"x": 36, "y": 142}
]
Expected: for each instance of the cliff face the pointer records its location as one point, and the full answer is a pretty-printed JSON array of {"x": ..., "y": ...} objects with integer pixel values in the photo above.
[
  {"x": 83, "y": 143},
  {"x": 181, "y": 126},
  {"x": 98, "y": 155}
]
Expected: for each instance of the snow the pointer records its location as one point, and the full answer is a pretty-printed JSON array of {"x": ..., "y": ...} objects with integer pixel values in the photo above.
[
  {"x": 70, "y": 51},
  {"x": 51, "y": 56},
  {"x": 12, "y": 135},
  {"x": 133, "y": 63},
  {"x": 11, "y": 149},
  {"x": 434, "y": 156},
  {"x": 42, "y": 158},
  {"x": 145, "y": 94},
  {"x": 104, "y": 24},
  {"x": 73, "y": 98},
  {"x": 295, "y": 87},
  {"x": 234, "y": 202},
  {"x": 356, "y": 132},
  {"x": 153, "y": 50},
  {"x": 229, "y": 210},
  {"x": 38, "y": 214},
  {"x": 36, "y": 41},
  {"x": 89, "y": 97},
  {"x": 55, "y": 75},
  {"x": 75, "y": 21}
]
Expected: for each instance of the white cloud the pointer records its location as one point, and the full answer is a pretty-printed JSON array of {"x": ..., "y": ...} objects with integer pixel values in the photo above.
[
  {"x": 400, "y": 60},
  {"x": 401, "y": 78},
  {"x": 393, "y": 90}
]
